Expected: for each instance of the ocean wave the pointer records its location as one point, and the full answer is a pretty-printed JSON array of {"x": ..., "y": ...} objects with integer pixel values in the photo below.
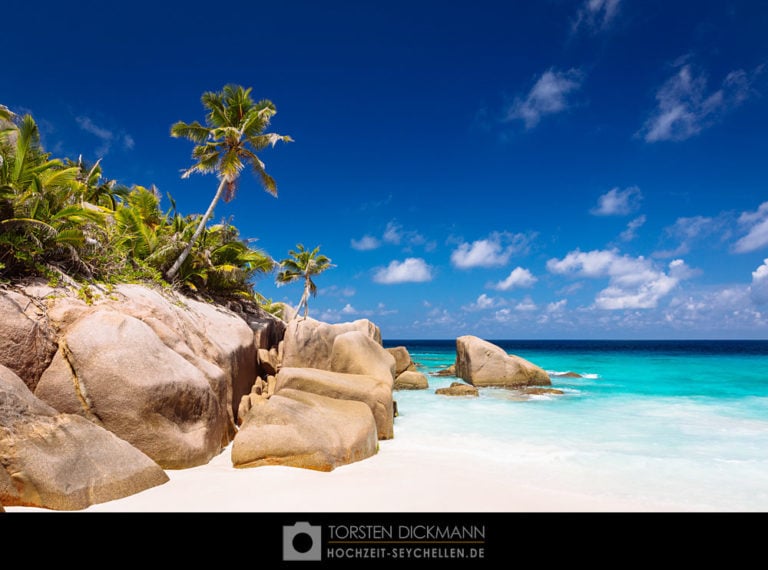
[{"x": 572, "y": 374}]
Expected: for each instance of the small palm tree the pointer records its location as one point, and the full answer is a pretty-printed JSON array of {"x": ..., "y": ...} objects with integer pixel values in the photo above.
[
  {"x": 303, "y": 264},
  {"x": 227, "y": 143}
]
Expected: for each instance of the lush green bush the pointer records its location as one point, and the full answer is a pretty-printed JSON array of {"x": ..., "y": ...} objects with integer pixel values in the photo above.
[{"x": 59, "y": 216}]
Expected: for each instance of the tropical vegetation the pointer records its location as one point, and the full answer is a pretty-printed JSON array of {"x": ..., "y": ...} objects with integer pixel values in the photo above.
[
  {"x": 303, "y": 264},
  {"x": 64, "y": 219},
  {"x": 226, "y": 144}
]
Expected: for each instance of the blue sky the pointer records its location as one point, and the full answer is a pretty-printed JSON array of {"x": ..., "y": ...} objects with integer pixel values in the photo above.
[{"x": 547, "y": 169}]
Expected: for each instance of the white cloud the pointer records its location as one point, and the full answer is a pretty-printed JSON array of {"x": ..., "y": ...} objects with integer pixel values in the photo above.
[
  {"x": 686, "y": 107},
  {"x": 502, "y": 315},
  {"x": 411, "y": 270},
  {"x": 618, "y": 202},
  {"x": 519, "y": 277},
  {"x": 349, "y": 310},
  {"x": 631, "y": 232},
  {"x": 713, "y": 312},
  {"x": 484, "y": 302},
  {"x": 393, "y": 233},
  {"x": 556, "y": 306},
  {"x": 336, "y": 291},
  {"x": 757, "y": 230},
  {"x": 596, "y": 15},
  {"x": 687, "y": 231},
  {"x": 571, "y": 289},
  {"x": 494, "y": 251},
  {"x": 679, "y": 269},
  {"x": 107, "y": 137},
  {"x": 526, "y": 304},
  {"x": 549, "y": 95},
  {"x": 365, "y": 243},
  {"x": 634, "y": 282},
  {"x": 758, "y": 291}
]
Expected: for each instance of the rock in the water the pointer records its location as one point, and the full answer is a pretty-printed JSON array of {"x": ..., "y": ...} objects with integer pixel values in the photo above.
[
  {"x": 301, "y": 429},
  {"x": 308, "y": 343},
  {"x": 410, "y": 380},
  {"x": 355, "y": 353},
  {"x": 114, "y": 370},
  {"x": 450, "y": 371},
  {"x": 27, "y": 343},
  {"x": 482, "y": 363},
  {"x": 62, "y": 461},
  {"x": 458, "y": 389},
  {"x": 542, "y": 391},
  {"x": 567, "y": 375},
  {"x": 375, "y": 394},
  {"x": 403, "y": 361}
]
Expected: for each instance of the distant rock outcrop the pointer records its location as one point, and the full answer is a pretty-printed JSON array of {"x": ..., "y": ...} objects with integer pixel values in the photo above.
[
  {"x": 450, "y": 371},
  {"x": 62, "y": 461},
  {"x": 543, "y": 391},
  {"x": 567, "y": 375},
  {"x": 410, "y": 380},
  {"x": 482, "y": 363},
  {"x": 458, "y": 389},
  {"x": 302, "y": 429}
]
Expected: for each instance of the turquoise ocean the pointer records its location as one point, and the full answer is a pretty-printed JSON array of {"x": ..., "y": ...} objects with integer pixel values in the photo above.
[{"x": 679, "y": 425}]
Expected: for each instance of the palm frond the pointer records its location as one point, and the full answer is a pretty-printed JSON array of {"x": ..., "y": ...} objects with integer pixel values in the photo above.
[
  {"x": 72, "y": 237},
  {"x": 28, "y": 136},
  {"x": 193, "y": 131},
  {"x": 6, "y": 114},
  {"x": 217, "y": 115},
  {"x": 49, "y": 230}
]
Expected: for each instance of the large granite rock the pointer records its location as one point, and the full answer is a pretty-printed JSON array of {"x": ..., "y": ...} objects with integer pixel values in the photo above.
[
  {"x": 375, "y": 394},
  {"x": 27, "y": 342},
  {"x": 410, "y": 380},
  {"x": 356, "y": 353},
  {"x": 482, "y": 363},
  {"x": 268, "y": 330},
  {"x": 301, "y": 429},
  {"x": 62, "y": 461},
  {"x": 205, "y": 335},
  {"x": 308, "y": 343},
  {"x": 114, "y": 370},
  {"x": 403, "y": 361}
]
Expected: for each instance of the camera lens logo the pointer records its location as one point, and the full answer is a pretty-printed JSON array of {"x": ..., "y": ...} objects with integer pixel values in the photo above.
[{"x": 302, "y": 542}]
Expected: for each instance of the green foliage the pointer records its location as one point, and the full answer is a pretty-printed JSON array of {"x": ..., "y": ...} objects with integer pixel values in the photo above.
[
  {"x": 303, "y": 264},
  {"x": 228, "y": 142},
  {"x": 60, "y": 217}
]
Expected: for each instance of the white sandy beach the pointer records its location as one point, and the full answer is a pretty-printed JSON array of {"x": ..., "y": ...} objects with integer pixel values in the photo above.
[{"x": 402, "y": 477}]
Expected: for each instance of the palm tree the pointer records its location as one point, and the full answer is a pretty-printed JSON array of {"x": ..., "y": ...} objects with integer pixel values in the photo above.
[
  {"x": 303, "y": 264},
  {"x": 227, "y": 143}
]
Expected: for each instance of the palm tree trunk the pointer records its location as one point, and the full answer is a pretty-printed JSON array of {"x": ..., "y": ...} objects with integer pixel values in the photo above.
[
  {"x": 304, "y": 301},
  {"x": 171, "y": 273}
]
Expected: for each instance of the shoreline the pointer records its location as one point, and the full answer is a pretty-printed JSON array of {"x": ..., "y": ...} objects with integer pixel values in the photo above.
[{"x": 401, "y": 477}]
